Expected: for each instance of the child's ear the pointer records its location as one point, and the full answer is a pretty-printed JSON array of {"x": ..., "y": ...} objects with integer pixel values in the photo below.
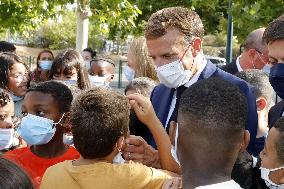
[
  {"x": 120, "y": 143},
  {"x": 245, "y": 142},
  {"x": 66, "y": 125},
  {"x": 261, "y": 103}
]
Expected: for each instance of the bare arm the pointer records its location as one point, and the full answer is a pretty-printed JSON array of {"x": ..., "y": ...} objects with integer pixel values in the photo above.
[{"x": 145, "y": 112}]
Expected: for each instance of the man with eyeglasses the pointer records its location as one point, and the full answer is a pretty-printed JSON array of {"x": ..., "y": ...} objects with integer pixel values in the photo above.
[
  {"x": 174, "y": 41},
  {"x": 254, "y": 55}
]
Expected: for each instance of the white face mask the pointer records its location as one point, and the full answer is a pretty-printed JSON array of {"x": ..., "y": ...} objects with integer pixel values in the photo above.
[
  {"x": 97, "y": 81},
  {"x": 173, "y": 74},
  {"x": 265, "y": 176},
  {"x": 67, "y": 139},
  {"x": 129, "y": 73},
  {"x": 6, "y": 138},
  {"x": 118, "y": 159},
  {"x": 88, "y": 64}
]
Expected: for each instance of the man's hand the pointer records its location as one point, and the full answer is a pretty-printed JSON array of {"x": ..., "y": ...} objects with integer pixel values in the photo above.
[{"x": 138, "y": 150}]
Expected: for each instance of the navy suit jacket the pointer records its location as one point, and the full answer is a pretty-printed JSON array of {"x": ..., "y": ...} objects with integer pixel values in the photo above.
[
  {"x": 275, "y": 113},
  {"x": 161, "y": 99}
]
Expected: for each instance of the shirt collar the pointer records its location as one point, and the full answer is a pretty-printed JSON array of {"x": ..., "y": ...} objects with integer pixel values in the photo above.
[
  {"x": 238, "y": 64},
  {"x": 197, "y": 74}
]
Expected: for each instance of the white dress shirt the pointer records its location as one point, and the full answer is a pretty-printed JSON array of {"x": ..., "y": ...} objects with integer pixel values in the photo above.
[
  {"x": 238, "y": 64},
  {"x": 193, "y": 80}
]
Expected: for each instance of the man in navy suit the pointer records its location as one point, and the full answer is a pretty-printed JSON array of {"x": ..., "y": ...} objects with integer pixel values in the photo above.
[
  {"x": 254, "y": 56},
  {"x": 174, "y": 41},
  {"x": 274, "y": 38}
]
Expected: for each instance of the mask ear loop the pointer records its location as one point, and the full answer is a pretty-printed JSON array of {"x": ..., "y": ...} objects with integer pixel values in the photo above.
[{"x": 58, "y": 123}]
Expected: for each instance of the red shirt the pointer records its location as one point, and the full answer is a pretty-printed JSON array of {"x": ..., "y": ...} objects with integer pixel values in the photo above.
[{"x": 34, "y": 165}]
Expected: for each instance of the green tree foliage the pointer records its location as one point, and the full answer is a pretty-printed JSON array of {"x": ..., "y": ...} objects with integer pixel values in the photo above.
[
  {"x": 23, "y": 15},
  {"x": 110, "y": 17},
  {"x": 247, "y": 14},
  {"x": 55, "y": 35},
  {"x": 113, "y": 18},
  {"x": 60, "y": 35}
]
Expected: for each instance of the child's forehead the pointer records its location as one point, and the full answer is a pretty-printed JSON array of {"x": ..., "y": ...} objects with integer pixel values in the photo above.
[{"x": 39, "y": 97}]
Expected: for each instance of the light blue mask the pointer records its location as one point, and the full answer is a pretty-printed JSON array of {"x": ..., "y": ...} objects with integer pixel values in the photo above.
[
  {"x": 37, "y": 130},
  {"x": 14, "y": 97},
  {"x": 45, "y": 64},
  {"x": 266, "y": 69}
]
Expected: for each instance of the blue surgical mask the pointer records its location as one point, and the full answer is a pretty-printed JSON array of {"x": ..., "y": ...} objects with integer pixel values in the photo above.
[
  {"x": 276, "y": 79},
  {"x": 14, "y": 97},
  {"x": 6, "y": 138},
  {"x": 129, "y": 73},
  {"x": 45, "y": 64},
  {"x": 266, "y": 69},
  {"x": 37, "y": 130}
]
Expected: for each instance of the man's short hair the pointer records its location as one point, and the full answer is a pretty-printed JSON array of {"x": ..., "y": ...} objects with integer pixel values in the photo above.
[
  {"x": 215, "y": 112},
  {"x": 186, "y": 21},
  {"x": 254, "y": 40},
  {"x": 99, "y": 117},
  {"x": 274, "y": 30},
  {"x": 7, "y": 47},
  {"x": 260, "y": 81},
  {"x": 279, "y": 125}
]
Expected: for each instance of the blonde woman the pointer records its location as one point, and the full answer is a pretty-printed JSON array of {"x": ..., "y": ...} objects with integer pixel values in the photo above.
[{"x": 139, "y": 63}]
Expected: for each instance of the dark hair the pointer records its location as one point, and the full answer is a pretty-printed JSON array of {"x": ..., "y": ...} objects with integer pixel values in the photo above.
[
  {"x": 41, "y": 52},
  {"x": 260, "y": 81},
  {"x": 98, "y": 117},
  {"x": 215, "y": 110},
  {"x": 7, "y": 47},
  {"x": 7, "y": 60},
  {"x": 60, "y": 93},
  {"x": 142, "y": 85},
  {"x": 91, "y": 51},
  {"x": 274, "y": 30},
  {"x": 12, "y": 176},
  {"x": 106, "y": 59},
  {"x": 4, "y": 98},
  {"x": 186, "y": 21},
  {"x": 68, "y": 59},
  {"x": 279, "y": 125}
]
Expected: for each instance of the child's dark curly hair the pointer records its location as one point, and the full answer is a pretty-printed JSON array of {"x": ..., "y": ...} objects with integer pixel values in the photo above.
[{"x": 4, "y": 98}]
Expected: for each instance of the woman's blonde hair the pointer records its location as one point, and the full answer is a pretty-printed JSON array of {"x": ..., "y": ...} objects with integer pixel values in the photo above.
[{"x": 145, "y": 67}]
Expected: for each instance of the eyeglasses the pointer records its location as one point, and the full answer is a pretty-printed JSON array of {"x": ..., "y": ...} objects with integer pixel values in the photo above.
[{"x": 263, "y": 57}]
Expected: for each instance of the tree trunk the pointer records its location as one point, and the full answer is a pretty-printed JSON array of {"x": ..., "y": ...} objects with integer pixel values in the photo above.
[{"x": 83, "y": 13}]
